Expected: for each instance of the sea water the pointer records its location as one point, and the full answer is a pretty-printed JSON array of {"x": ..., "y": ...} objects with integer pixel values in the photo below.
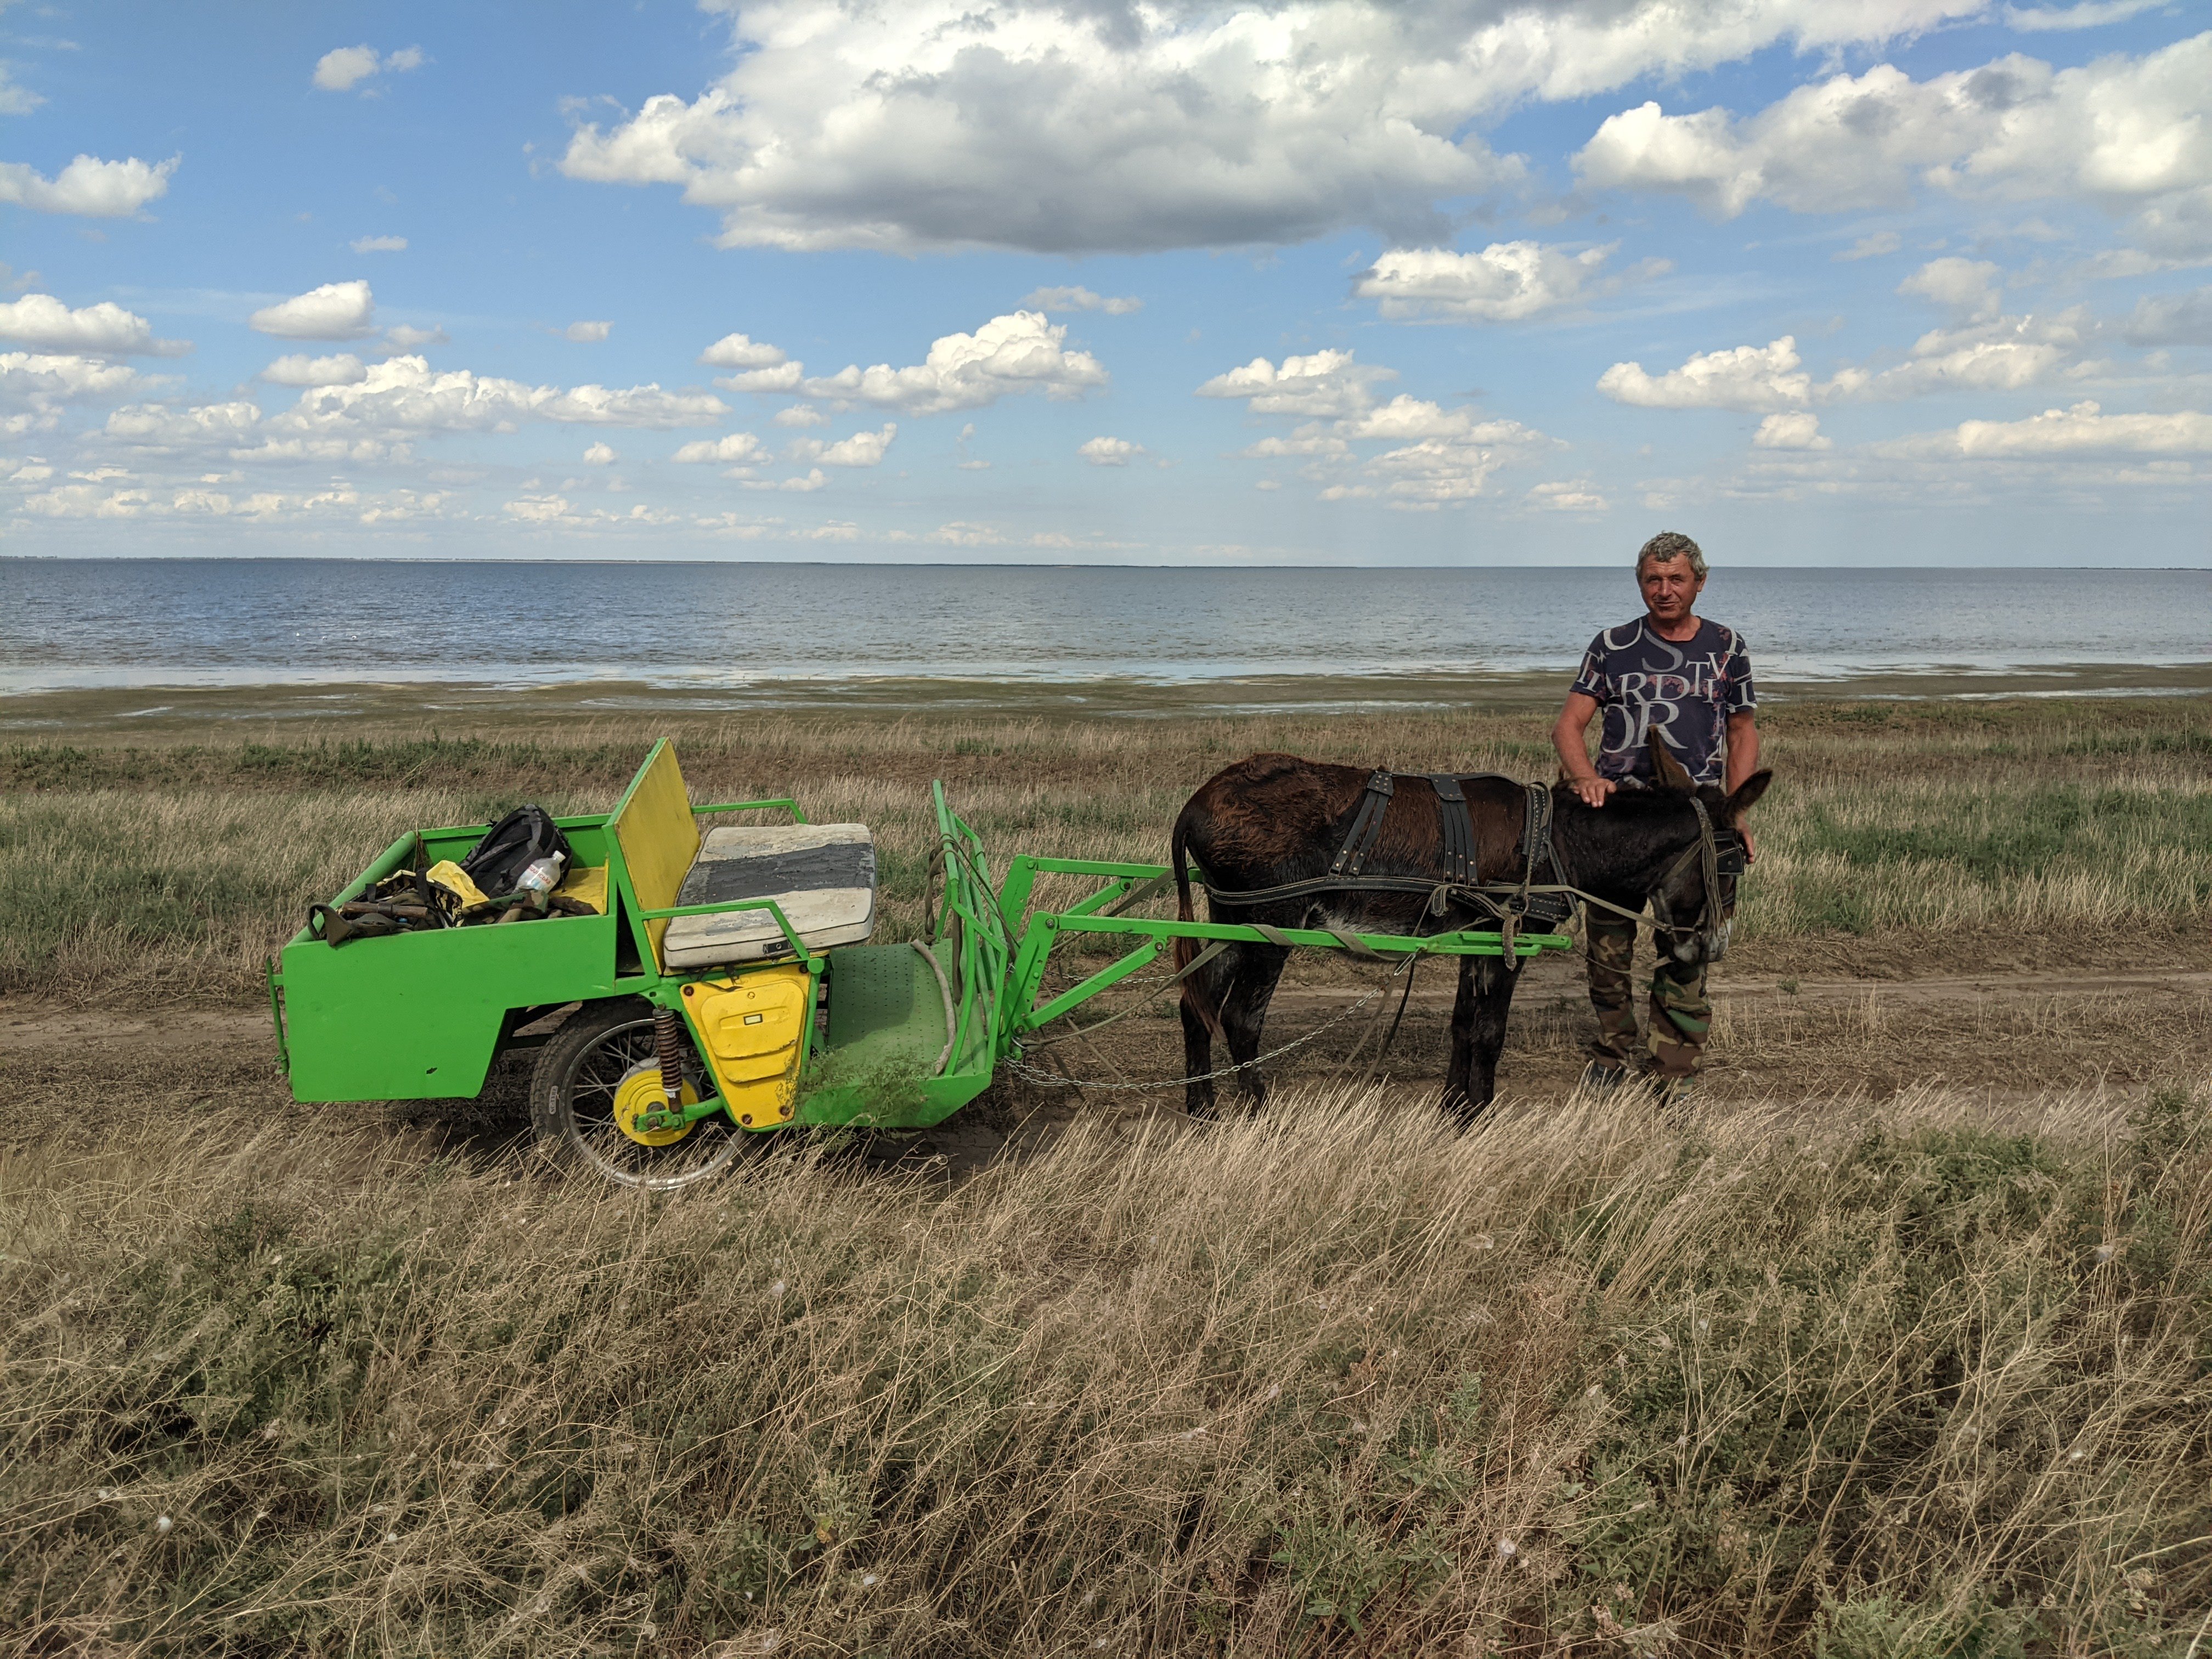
[{"x": 123, "y": 623}]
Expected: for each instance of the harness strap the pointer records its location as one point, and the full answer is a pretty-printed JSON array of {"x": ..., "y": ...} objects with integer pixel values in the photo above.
[
  {"x": 1536, "y": 831},
  {"x": 1457, "y": 826},
  {"x": 1366, "y": 825},
  {"x": 1512, "y": 901}
]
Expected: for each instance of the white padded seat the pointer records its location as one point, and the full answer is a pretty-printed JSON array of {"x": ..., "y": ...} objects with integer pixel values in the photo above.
[{"x": 821, "y": 875}]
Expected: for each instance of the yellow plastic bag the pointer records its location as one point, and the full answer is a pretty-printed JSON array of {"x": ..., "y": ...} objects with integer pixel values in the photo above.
[{"x": 454, "y": 879}]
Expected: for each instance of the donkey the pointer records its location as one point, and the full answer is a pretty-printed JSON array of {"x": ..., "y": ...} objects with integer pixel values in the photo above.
[{"x": 1273, "y": 819}]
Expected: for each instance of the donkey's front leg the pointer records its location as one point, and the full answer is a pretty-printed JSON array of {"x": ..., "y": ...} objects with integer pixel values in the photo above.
[{"x": 1478, "y": 1033}]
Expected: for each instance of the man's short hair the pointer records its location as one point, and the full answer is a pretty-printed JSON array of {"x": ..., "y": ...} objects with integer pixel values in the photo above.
[{"x": 1669, "y": 545}]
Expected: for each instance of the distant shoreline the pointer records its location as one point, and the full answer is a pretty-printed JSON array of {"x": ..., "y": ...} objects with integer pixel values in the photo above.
[
  {"x": 169, "y": 713},
  {"x": 1028, "y": 564}
]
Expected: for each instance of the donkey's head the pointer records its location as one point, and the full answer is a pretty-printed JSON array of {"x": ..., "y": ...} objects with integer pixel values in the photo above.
[{"x": 1694, "y": 900}]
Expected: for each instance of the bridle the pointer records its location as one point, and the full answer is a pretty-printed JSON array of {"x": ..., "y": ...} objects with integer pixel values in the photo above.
[{"x": 1722, "y": 856}]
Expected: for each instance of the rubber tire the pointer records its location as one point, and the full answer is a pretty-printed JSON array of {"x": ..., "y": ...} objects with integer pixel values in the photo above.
[{"x": 552, "y": 1119}]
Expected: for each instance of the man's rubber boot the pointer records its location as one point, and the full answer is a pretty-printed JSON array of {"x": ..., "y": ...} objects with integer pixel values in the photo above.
[{"x": 1600, "y": 1078}]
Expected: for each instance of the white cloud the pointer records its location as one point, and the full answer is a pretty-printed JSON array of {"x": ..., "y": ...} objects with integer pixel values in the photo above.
[
  {"x": 600, "y": 455},
  {"x": 783, "y": 377},
  {"x": 737, "y": 446},
  {"x": 336, "y": 71},
  {"x": 300, "y": 369},
  {"x": 1563, "y": 496},
  {"x": 1444, "y": 456},
  {"x": 1307, "y": 440},
  {"x": 1437, "y": 472},
  {"x": 86, "y": 186},
  {"x": 15, "y": 99},
  {"x": 800, "y": 415},
  {"x": 405, "y": 338},
  {"x": 1990, "y": 354},
  {"x": 42, "y": 321},
  {"x": 2171, "y": 319},
  {"x": 1019, "y": 352},
  {"x": 342, "y": 69},
  {"x": 1404, "y": 417},
  {"x": 539, "y": 509},
  {"x": 861, "y": 449},
  {"x": 2125, "y": 132},
  {"x": 761, "y": 367},
  {"x": 2058, "y": 433},
  {"x": 1327, "y": 382},
  {"x": 336, "y": 311},
  {"x": 1079, "y": 299},
  {"x": 151, "y": 426},
  {"x": 1109, "y": 451},
  {"x": 588, "y": 333},
  {"x": 1794, "y": 429},
  {"x": 1747, "y": 377},
  {"x": 2089, "y": 15},
  {"x": 1029, "y": 124},
  {"x": 741, "y": 351},
  {"x": 405, "y": 394},
  {"x": 1873, "y": 246},
  {"x": 2002, "y": 354},
  {"x": 1970, "y": 286},
  {"x": 34, "y": 386},
  {"x": 1504, "y": 283},
  {"x": 379, "y": 245}
]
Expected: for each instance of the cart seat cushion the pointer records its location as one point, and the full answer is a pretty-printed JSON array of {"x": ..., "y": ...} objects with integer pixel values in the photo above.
[{"x": 821, "y": 875}]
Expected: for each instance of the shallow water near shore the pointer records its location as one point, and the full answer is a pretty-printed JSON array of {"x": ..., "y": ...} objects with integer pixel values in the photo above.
[{"x": 633, "y": 636}]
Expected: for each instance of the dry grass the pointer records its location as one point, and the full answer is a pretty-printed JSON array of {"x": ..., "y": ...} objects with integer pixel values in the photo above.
[
  {"x": 1863, "y": 1382},
  {"x": 180, "y": 866}
]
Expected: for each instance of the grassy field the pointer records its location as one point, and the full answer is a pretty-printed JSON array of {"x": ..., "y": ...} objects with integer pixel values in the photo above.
[
  {"x": 1915, "y": 827},
  {"x": 1898, "y": 1346},
  {"x": 1859, "y": 1383}
]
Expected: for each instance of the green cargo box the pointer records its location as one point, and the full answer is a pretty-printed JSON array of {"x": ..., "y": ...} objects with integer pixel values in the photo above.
[{"x": 423, "y": 1015}]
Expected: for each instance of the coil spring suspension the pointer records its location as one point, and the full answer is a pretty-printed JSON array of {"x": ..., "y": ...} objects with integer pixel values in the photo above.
[{"x": 668, "y": 1043}]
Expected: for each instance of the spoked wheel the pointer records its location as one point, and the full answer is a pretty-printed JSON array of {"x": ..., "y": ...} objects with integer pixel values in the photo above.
[{"x": 578, "y": 1102}]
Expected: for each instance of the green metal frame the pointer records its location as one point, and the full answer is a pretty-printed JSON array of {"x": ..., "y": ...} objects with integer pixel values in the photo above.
[
  {"x": 418, "y": 1015},
  {"x": 1015, "y": 941}
]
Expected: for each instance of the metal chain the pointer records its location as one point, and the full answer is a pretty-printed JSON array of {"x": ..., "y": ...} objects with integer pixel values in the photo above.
[{"x": 1063, "y": 1082}]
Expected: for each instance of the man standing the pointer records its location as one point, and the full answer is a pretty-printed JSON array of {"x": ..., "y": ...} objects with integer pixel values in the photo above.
[{"x": 1672, "y": 672}]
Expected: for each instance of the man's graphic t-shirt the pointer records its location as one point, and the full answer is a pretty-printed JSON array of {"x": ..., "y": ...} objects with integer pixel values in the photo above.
[{"x": 1688, "y": 690}]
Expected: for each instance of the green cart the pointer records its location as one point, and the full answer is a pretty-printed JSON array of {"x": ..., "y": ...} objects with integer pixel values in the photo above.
[{"x": 724, "y": 986}]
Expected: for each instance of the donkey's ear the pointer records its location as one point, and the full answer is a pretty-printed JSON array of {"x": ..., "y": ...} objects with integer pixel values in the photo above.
[
  {"x": 1746, "y": 794},
  {"x": 1669, "y": 772}
]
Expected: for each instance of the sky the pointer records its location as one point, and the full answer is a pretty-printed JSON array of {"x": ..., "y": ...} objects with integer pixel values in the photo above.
[{"x": 1337, "y": 281}]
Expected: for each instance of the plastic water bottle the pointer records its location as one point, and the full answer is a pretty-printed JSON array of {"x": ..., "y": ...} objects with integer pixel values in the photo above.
[
  {"x": 541, "y": 877},
  {"x": 533, "y": 887}
]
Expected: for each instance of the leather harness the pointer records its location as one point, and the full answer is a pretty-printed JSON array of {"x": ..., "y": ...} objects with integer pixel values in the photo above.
[{"x": 1515, "y": 902}]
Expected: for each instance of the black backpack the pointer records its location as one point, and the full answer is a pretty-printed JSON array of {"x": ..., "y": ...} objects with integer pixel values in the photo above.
[{"x": 512, "y": 846}]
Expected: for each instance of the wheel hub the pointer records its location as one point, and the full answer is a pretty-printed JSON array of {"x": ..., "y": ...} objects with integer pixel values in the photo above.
[{"x": 639, "y": 1092}]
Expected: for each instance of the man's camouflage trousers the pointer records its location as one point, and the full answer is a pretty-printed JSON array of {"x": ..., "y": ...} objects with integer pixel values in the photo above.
[{"x": 1680, "y": 1014}]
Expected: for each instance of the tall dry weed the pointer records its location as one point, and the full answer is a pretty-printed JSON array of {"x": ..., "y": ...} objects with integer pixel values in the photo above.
[{"x": 1328, "y": 1381}]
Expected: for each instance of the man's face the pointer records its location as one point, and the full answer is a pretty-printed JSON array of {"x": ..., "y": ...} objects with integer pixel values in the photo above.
[{"x": 1670, "y": 589}]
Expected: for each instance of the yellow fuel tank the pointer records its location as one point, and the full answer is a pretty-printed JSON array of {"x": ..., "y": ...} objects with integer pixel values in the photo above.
[{"x": 751, "y": 1025}]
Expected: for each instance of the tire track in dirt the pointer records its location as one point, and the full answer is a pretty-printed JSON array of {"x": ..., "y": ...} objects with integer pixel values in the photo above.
[{"x": 28, "y": 1023}]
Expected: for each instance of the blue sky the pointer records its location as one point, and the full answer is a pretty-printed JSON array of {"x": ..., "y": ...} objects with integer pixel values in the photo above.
[{"x": 1326, "y": 281}]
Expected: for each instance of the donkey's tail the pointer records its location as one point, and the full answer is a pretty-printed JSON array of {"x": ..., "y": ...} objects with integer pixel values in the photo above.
[{"x": 1187, "y": 950}]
